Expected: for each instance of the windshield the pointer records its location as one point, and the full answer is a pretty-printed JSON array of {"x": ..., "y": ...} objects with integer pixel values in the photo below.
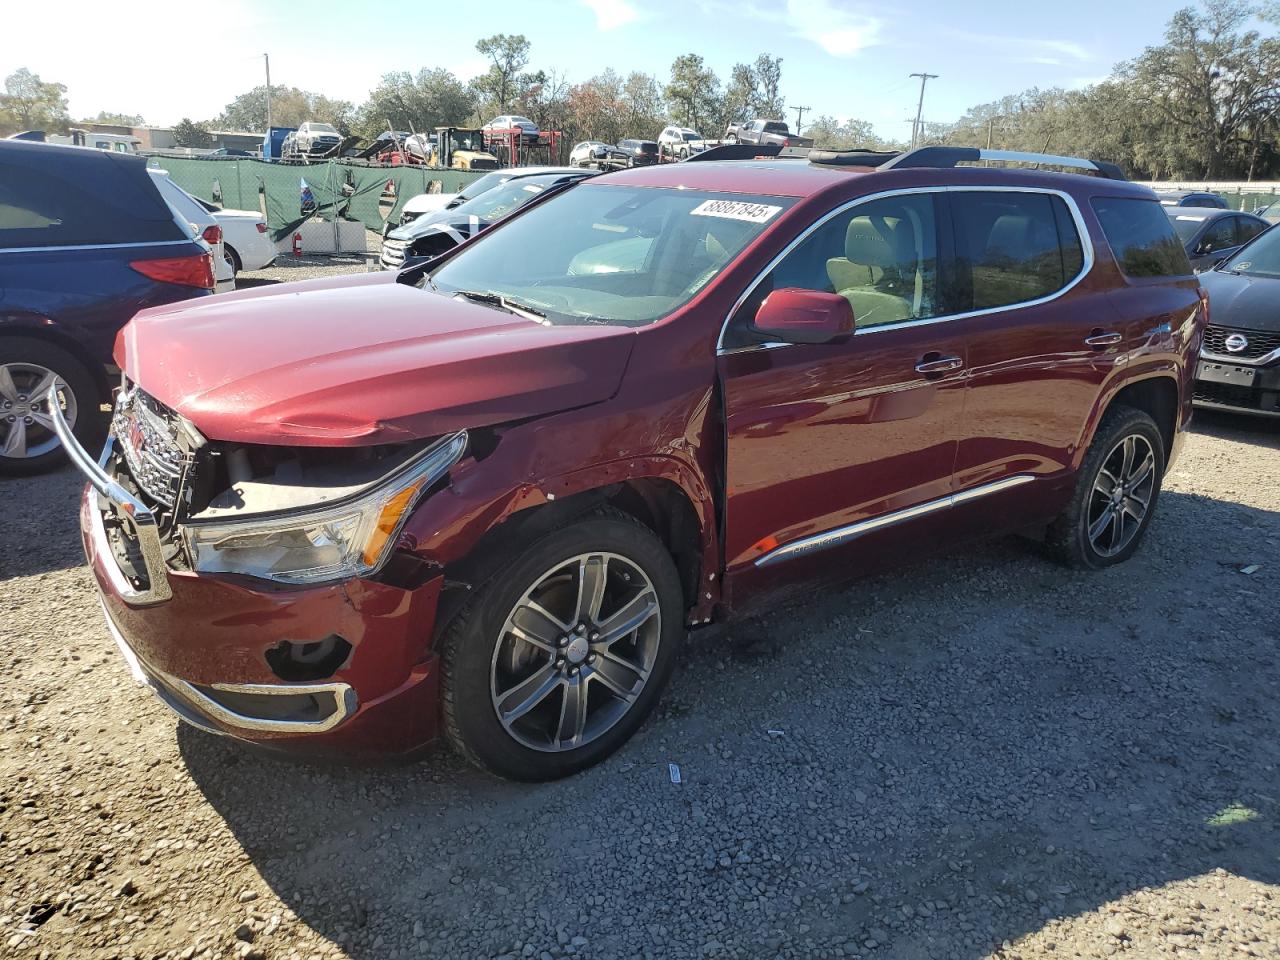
[
  {"x": 477, "y": 187},
  {"x": 321, "y": 128},
  {"x": 468, "y": 140},
  {"x": 1185, "y": 226},
  {"x": 611, "y": 254},
  {"x": 690, "y": 135},
  {"x": 1261, "y": 258},
  {"x": 497, "y": 203}
]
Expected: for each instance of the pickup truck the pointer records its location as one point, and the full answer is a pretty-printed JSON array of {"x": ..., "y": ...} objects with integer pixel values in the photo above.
[{"x": 765, "y": 131}]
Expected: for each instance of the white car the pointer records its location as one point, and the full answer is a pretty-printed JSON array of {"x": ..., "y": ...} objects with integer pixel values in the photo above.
[
  {"x": 528, "y": 129},
  {"x": 422, "y": 203},
  {"x": 681, "y": 142},
  {"x": 246, "y": 243},
  {"x": 203, "y": 226}
]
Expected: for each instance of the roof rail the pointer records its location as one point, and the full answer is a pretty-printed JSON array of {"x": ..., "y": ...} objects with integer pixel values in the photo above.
[
  {"x": 736, "y": 151},
  {"x": 950, "y": 156}
]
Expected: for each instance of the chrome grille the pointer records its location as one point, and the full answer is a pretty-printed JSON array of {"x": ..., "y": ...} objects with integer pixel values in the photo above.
[
  {"x": 147, "y": 441},
  {"x": 1260, "y": 342},
  {"x": 393, "y": 253}
]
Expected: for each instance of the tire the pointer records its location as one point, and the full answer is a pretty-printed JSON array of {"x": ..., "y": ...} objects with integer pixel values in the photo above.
[
  {"x": 26, "y": 363},
  {"x": 1118, "y": 533},
  {"x": 731, "y": 138},
  {"x": 486, "y": 666},
  {"x": 233, "y": 258}
]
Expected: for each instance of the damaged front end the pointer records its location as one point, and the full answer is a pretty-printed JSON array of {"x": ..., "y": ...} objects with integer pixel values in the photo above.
[{"x": 171, "y": 499}]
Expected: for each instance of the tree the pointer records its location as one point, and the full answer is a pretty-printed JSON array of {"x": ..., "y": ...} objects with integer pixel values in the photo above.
[
  {"x": 29, "y": 103},
  {"x": 509, "y": 55},
  {"x": 289, "y": 108},
  {"x": 831, "y": 134},
  {"x": 741, "y": 95},
  {"x": 188, "y": 134},
  {"x": 119, "y": 119},
  {"x": 418, "y": 103},
  {"x": 693, "y": 93},
  {"x": 768, "y": 75}
]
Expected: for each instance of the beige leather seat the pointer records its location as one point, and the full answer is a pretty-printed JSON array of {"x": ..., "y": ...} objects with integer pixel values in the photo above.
[{"x": 865, "y": 275}]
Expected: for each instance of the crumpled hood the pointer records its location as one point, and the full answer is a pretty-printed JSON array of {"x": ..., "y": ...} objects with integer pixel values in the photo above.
[
  {"x": 361, "y": 360},
  {"x": 1237, "y": 300}
]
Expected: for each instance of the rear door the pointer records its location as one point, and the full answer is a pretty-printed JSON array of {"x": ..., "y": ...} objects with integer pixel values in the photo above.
[
  {"x": 1042, "y": 337},
  {"x": 830, "y": 445},
  {"x": 1216, "y": 243}
]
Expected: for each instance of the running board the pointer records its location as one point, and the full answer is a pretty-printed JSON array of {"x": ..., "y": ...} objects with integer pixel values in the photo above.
[{"x": 840, "y": 535}]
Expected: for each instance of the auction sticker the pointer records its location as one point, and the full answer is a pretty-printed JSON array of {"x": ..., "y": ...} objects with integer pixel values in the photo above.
[{"x": 736, "y": 210}]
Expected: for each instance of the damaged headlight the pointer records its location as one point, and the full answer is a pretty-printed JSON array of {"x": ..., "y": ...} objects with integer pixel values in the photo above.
[{"x": 336, "y": 542}]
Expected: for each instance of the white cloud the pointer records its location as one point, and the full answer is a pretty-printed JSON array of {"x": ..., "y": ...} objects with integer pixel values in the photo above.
[
  {"x": 840, "y": 33},
  {"x": 611, "y": 14},
  {"x": 1025, "y": 50}
]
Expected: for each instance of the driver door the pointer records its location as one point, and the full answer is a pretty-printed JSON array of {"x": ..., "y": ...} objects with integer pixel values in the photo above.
[{"x": 841, "y": 453}]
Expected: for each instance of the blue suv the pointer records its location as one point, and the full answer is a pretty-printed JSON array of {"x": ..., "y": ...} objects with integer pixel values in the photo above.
[{"x": 86, "y": 241}]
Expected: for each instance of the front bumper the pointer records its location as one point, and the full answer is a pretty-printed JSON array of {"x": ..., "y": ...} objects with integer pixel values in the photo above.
[
  {"x": 201, "y": 642},
  {"x": 1237, "y": 387}
]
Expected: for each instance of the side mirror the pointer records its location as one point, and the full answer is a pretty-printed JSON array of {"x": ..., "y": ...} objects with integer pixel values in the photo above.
[{"x": 804, "y": 316}]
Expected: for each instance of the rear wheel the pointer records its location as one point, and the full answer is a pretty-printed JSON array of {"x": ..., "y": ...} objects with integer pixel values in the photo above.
[
  {"x": 560, "y": 656},
  {"x": 28, "y": 370},
  {"x": 1115, "y": 495},
  {"x": 232, "y": 258}
]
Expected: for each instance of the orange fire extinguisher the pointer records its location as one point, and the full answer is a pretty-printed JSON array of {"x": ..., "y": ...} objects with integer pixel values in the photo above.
[{"x": 297, "y": 244}]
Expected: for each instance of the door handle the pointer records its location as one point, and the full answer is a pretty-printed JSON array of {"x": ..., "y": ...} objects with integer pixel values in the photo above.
[
  {"x": 1099, "y": 339},
  {"x": 938, "y": 364}
]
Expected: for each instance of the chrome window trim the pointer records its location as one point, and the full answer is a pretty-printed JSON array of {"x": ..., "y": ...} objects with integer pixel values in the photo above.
[
  {"x": 99, "y": 246},
  {"x": 1082, "y": 232},
  {"x": 841, "y": 535}
]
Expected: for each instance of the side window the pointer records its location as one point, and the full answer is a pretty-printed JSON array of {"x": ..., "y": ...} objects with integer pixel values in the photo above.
[
  {"x": 1247, "y": 229},
  {"x": 38, "y": 210},
  {"x": 1013, "y": 247},
  {"x": 1220, "y": 236},
  {"x": 881, "y": 255},
  {"x": 1141, "y": 238}
]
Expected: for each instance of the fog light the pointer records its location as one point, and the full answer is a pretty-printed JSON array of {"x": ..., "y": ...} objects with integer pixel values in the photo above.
[{"x": 306, "y": 661}]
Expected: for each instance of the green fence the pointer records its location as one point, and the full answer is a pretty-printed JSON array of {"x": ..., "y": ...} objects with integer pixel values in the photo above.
[{"x": 288, "y": 194}]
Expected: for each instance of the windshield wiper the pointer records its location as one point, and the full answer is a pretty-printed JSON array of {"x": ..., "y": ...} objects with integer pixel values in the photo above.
[{"x": 504, "y": 303}]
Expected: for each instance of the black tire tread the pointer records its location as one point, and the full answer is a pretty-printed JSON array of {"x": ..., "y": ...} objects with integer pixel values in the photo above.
[
  {"x": 1061, "y": 540},
  {"x": 453, "y": 635}
]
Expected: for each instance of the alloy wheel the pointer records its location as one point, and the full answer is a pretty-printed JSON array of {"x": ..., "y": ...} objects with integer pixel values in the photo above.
[
  {"x": 26, "y": 426},
  {"x": 575, "y": 652},
  {"x": 1121, "y": 496}
]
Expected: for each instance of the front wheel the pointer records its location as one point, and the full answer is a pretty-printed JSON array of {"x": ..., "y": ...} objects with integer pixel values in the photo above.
[
  {"x": 29, "y": 368},
  {"x": 1116, "y": 493},
  {"x": 560, "y": 656},
  {"x": 731, "y": 138}
]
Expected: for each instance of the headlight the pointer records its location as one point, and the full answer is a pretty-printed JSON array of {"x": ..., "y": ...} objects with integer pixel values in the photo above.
[{"x": 335, "y": 542}]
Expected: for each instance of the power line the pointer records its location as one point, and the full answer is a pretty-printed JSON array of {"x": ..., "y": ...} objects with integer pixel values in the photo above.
[{"x": 915, "y": 128}]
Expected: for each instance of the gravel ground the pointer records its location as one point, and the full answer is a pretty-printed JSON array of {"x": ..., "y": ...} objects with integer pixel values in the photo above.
[{"x": 982, "y": 755}]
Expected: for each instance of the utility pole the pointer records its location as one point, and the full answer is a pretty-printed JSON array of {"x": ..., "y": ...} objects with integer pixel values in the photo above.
[
  {"x": 267, "y": 60},
  {"x": 800, "y": 116},
  {"x": 915, "y": 129}
]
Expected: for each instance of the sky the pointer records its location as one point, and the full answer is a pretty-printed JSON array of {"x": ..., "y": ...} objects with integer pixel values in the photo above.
[{"x": 844, "y": 58}]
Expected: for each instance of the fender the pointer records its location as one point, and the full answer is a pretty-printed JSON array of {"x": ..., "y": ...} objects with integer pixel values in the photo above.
[{"x": 28, "y": 323}]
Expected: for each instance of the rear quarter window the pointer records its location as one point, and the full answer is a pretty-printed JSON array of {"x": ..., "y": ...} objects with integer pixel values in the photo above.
[
  {"x": 1141, "y": 238},
  {"x": 38, "y": 209}
]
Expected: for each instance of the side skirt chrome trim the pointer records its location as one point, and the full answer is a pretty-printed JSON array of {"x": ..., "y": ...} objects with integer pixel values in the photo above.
[{"x": 840, "y": 535}]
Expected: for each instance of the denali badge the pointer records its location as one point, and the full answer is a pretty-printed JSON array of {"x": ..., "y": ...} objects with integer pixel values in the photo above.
[{"x": 1236, "y": 342}]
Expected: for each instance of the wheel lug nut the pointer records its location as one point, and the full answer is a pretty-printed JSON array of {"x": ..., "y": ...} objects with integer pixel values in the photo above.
[
  {"x": 27, "y": 420},
  {"x": 560, "y": 663},
  {"x": 595, "y": 635},
  {"x": 581, "y": 629},
  {"x": 573, "y": 671},
  {"x": 22, "y": 397},
  {"x": 562, "y": 642},
  {"x": 591, "y": 658}
]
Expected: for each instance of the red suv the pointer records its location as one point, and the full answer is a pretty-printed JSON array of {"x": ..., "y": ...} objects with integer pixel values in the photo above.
[{"x": 490, "y": 494}]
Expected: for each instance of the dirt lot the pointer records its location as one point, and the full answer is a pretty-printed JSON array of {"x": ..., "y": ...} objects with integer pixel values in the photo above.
[{"x": 981, "y": 755}]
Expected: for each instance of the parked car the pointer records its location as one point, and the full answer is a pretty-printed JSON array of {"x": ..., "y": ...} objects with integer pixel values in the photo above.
[
  {"x": 312, "y": 140},
  {"x": 433, "y": 234},
  {"x": 639, "y": 153},
  {"x": 1239, "y": 367},
  {"x": 86, "y": 240},
  {"x": 246, "y": 243},
  {"x": 1211, "y": 235},
  {"x": 1269, "y": 213},
  {"x": 203, "y": 225},
  {"x": 528, "y": 129},
  {"x": 765, "y": 132},
  {"x": 597, "y": 154},
  {"x": 496, "y": 504},
  {"x": 429, "y": 203},
  {"x": 1191, "y": 198},
  {"x": 681, "y": 142}
]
